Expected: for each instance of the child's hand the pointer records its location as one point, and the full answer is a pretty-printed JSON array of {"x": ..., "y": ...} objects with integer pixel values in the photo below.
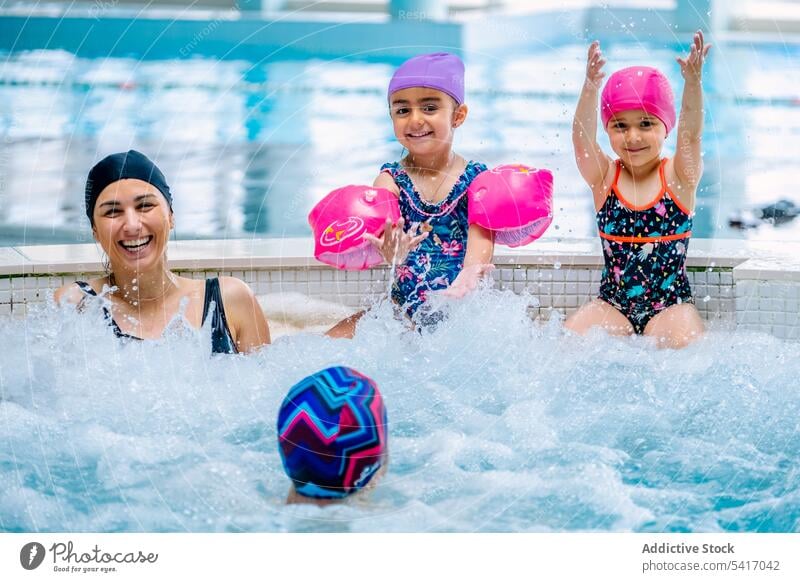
[
  {"x": 692, "y": 66},
  {"x": 594, "y": 64},
  {"x": 467, "y": 280},
  {"x": 394, "y": 243}
]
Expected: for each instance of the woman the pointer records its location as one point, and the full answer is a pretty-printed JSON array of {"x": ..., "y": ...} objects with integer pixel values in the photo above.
[{"x": 129, "y": 205}]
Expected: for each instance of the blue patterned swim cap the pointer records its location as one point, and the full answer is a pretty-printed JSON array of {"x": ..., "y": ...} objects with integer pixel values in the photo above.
[{"x": 332, "y": 433}]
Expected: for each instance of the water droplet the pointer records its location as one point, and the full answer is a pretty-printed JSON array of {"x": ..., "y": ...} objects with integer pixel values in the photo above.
[
  {"x": 707, "y": 298},
  {"x": 556, "y": 265}
]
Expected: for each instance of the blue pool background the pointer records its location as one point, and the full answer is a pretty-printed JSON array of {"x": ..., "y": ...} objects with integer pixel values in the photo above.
[{"x": 249, "y": 146}]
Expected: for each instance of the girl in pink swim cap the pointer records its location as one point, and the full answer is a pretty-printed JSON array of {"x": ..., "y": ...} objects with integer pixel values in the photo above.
[
  {"x": 644, "y": 203},
  {"x": 433, "y": 246}
]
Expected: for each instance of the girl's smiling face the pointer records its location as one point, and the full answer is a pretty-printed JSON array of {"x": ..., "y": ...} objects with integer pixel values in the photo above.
[
  {"x": 132, "y": 221},
  {"x": 424, "y": 119},
  {"x": 636, "y": 136}
]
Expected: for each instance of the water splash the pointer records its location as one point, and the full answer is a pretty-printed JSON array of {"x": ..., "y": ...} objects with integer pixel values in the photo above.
[{"x": 496, "y": 424}]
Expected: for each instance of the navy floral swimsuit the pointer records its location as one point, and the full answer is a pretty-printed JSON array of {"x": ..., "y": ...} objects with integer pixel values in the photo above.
[
  {"x": 439, "y": 258},
  {"x": 644, "y": 248}
]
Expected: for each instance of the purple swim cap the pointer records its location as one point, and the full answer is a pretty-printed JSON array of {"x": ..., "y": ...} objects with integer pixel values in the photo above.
[
  {"x": 441, "y": 71},
  {"x": 639, "y": 88}
]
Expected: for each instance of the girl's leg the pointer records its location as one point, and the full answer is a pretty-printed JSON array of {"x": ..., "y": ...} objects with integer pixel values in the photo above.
[
  {"x": 676, "y": 327},
  {"x": 599, "y": 313},
  {"x": 346, "y": 328}
]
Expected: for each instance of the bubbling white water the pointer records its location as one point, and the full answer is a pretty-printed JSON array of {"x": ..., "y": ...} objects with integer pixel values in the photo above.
[{"x": 495, "y": 424}]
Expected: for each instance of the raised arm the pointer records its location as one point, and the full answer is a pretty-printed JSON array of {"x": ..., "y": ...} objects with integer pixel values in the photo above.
[
  {"x": 593, "y": 163},
  {"x": 688, "y": 159}
]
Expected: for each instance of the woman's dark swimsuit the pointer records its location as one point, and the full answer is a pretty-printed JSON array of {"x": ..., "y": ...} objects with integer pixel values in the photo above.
[
  {"x": 221, "y": 339},
  {"x": 644, "y": 248}
]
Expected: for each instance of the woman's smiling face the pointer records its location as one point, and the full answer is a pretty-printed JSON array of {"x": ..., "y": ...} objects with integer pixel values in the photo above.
[{"x": 132, "y": 221}]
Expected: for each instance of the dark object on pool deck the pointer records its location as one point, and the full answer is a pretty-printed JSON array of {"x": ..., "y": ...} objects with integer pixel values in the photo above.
[{"x": 778, "y": 213}]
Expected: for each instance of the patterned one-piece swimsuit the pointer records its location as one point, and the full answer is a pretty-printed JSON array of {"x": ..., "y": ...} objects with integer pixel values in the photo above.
[
  {"x": 644, "y": 248},
  {"x": 439, "y": 258}
]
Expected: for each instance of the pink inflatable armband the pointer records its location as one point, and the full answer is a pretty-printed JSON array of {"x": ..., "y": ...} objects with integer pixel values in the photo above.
[
  {"x": 340, "y": 220},
  {"x": 514, "y": 201}
]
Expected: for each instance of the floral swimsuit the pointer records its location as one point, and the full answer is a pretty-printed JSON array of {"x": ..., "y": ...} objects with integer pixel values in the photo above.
[
  {"x": 439, "y": 258},
  {"x": 644, "y": 248}
]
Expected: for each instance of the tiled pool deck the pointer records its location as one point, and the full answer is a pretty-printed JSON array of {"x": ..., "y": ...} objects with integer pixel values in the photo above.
[{"x": 742, "y": 284}]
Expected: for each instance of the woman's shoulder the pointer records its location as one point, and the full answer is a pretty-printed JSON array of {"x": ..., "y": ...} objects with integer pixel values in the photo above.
[
  {"x": 245, "y": 316},
  {"x": 234, "y": 289},
  {"x": 75, "y": 292}
]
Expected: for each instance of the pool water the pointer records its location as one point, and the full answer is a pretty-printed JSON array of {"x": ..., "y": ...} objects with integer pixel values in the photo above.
[
  {"x": 249, "y": 147},
  {"x": 495, "y": 424}
]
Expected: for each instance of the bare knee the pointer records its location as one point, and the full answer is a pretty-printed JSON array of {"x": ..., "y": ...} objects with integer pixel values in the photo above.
[
  {"x": 676, "y": 327},
  {"x": 598, "y": 313}
]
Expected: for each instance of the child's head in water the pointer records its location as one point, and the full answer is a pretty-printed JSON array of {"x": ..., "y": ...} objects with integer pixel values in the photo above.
[
  {"x": 638, "y": 111},
  {"x": 426, "y": 103},
  {"x": 332, "y": 435}
]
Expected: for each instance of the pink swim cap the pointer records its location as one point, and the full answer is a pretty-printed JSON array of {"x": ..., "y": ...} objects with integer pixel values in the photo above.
[
  {"x": 639, "y": 88},
  {"x": 441, "y": 71},
  {"x": 513, "y": 201},
  {"x": 340, "y": 220}
]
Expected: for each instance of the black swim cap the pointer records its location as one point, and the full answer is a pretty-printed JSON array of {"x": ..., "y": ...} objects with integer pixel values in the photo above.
[{"x": 123, "y": 166}]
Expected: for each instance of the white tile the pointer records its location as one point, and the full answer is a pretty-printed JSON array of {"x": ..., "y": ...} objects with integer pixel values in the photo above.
[
  {"x": 572, "y": 301},
  {"x": 506, "y": 274},
  {"x": 713, "y": 278},
  {"x": 585, "y": 275},
  {"x": 518, "y": 286},
  {"x": 326, "y": 275},
  {"x": 726, "y": 278},
  {"x": 5, "y": 295},
  {"x": 747, "y": 289},
  {"x": 700, "y": 277},
  {"x": 571, "y": 288},
  {"x": 586, "y": 289},
  {"x": 5, "y": 309},
  {"x": 520, "y": 275},
  {"x": 559, "y": 275},
  {"x": 748, "y": 317},
  {"x": 572, "y": 275},
  {"x": 559, "y": 288},
  {"x": 5, "y": 283},
  {"x": 767, "y": 317}
]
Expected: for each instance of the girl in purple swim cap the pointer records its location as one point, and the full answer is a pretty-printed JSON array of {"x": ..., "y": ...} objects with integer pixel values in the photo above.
[
  {"x": 644, "y": 202},
  {"x": 432, "y": 245}
]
